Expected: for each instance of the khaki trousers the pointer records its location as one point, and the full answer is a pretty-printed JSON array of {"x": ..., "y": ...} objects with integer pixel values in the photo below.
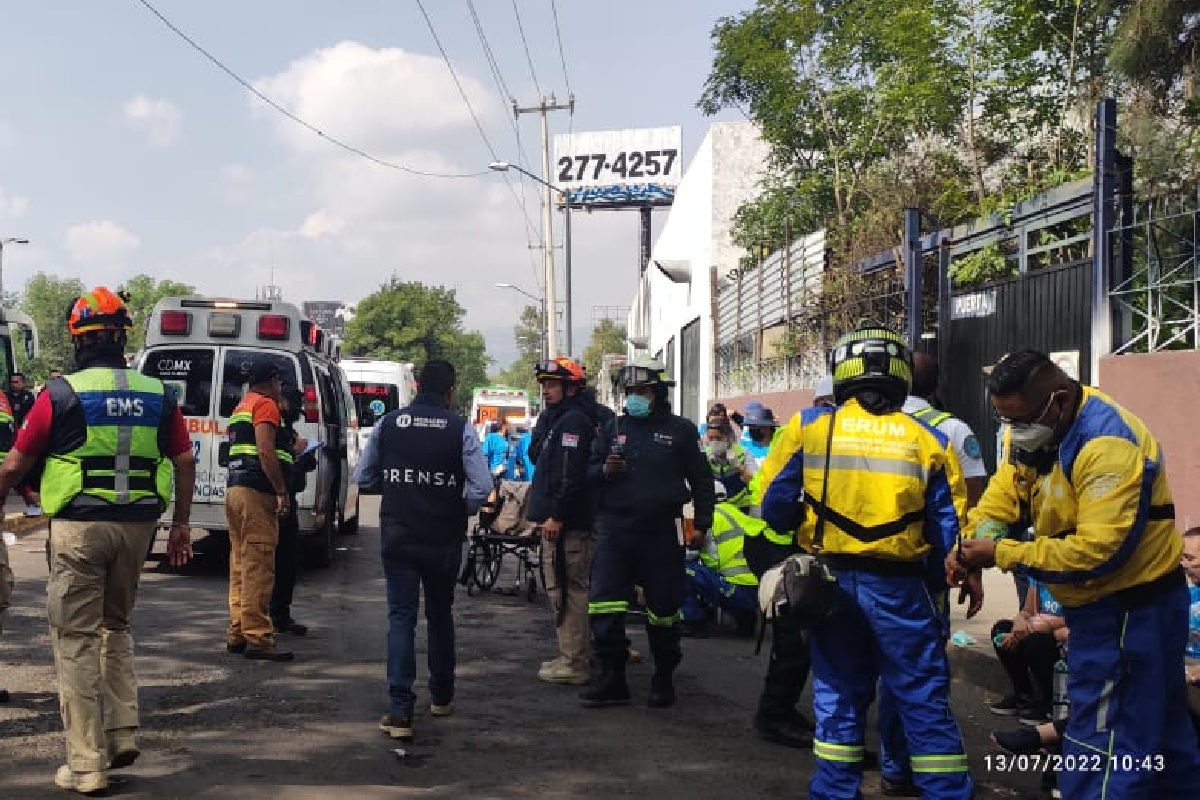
[
  {"x": 573, "y": 632},
  {"x": 6, "y": 583},
  {"x": 253, "y": 536},
  {"x": 94, "y": 572}
]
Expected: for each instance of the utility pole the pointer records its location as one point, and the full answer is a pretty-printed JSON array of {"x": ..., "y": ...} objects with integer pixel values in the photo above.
[{"x": 547, "y": 105}]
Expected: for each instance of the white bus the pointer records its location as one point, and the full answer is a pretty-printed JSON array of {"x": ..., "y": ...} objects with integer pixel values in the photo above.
[
  {"x": 200, "y": 347},
  {"x": 377, "y": 387}
]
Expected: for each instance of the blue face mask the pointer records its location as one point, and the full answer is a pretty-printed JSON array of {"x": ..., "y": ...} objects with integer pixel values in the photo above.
[{"x": 637, "y": 406}]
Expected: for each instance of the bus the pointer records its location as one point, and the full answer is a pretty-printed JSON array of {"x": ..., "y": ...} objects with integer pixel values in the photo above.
[{"x": 495, "y": 403}]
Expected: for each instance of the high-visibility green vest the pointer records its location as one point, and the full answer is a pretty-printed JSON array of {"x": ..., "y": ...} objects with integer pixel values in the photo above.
[
  {"x": 245, "y": 468},
  {"x": 119, "y": 461},
  {"x": 723, "y": 550}
]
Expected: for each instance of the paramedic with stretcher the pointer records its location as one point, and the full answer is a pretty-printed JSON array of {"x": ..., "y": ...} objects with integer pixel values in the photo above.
[
  {"x": 112, "y": 441},
  {"x": 874, "y": 492},
  {"x": 1091, "y": 475},
  {"x": 648, "y": 464}
]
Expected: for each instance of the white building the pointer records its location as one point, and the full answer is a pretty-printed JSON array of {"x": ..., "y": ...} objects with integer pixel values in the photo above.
[{"x": 671, "y": 315}]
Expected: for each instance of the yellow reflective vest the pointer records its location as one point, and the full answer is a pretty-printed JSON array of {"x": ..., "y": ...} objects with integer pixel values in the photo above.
[
  {"x": 723, "y": 547},
  {"x": 895, "y": 490}
]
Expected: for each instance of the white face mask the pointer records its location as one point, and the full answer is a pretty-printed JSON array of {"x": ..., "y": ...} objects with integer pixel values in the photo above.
[{"x": 1030, "y": 436}]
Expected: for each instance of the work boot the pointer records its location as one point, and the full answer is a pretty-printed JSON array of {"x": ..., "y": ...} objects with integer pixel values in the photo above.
[
  {"x": 610, "y": 689},
  {"x": 289, "y": 625},
  {"x": 268, "y": 654},
  {"x": 122, "y": 747},
  {"x": 662, "y": 690},
  {"x": 784, "y": 731},
  {"x": 4, "y": 695},
  {"x": 563, "y": 672},
  {"x": 396, "y": 726},
  {"x": 898, "y": 787},
  {"x": 81, "y": 782}
]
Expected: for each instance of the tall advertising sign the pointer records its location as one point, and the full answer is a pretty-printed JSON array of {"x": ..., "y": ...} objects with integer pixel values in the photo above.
[{"x": 613, "y": 169}]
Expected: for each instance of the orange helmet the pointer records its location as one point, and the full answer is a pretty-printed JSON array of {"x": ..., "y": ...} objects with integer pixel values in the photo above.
[
  {"x": 559, "y": 369},
  {"x": 99, "y": 310}
]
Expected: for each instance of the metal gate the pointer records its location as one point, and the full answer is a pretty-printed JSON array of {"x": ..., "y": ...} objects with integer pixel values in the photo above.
[
  {"x": 689, "y": 371},
  {"x": 1049, "y": 310}
]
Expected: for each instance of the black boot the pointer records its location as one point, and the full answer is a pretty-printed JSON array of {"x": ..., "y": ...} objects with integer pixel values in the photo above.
[
  {"x": 788, "y": 731},
  {"x": 662, "y": 690},
  {"x": 609, "y": 689}
]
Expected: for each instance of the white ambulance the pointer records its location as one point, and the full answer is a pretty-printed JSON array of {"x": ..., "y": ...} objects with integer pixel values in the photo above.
[
  {"x": 377, "y": 387},
  {"x": 200, "y": 347}
]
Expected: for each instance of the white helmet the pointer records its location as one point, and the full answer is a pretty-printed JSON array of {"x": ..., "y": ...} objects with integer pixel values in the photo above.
[{"x": 722, "y": 493}]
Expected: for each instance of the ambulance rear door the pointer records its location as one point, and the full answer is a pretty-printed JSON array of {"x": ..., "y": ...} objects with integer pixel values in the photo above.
[{"x": 187, "y": 370}]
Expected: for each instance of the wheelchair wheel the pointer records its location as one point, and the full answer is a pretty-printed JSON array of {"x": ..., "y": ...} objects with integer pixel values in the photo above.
[{"x": 487, "y": 564}]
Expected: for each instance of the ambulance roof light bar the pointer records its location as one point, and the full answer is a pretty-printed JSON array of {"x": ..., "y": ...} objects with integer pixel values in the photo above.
[{"x": 244, "y": 305}]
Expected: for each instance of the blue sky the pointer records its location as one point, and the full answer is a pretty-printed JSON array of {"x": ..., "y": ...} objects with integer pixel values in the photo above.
[{"x": 123, "y": 150}]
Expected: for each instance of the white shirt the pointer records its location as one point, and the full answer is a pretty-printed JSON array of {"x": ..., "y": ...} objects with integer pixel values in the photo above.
[{"x": 962, "y": 439}]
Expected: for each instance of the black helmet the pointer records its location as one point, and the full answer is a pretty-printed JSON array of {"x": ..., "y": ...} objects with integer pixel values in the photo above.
[{"x": 874, "y": 359}]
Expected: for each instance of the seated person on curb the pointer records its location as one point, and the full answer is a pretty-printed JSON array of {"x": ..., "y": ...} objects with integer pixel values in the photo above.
[
  {"x": 1028, "y": 647},
  {"x": 720, "y": 578},
  {"x": 1191, "y": 565},
  {"x": 728, "y": 462}
]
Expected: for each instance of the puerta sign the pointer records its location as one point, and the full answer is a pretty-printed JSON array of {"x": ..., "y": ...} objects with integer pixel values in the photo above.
[{"x": 631, "y": 167}]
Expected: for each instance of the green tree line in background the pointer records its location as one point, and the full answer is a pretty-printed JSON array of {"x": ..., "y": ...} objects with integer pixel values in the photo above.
[
  {"x": 959, "y": 107},
  {"x": 607, "y": 337}
]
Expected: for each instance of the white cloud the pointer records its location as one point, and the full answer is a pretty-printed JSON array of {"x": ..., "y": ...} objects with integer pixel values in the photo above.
[
  {"x": 160, "y": 120},
  {"x": 103, "y": 244},
  {"x": 381, "y": 100}
]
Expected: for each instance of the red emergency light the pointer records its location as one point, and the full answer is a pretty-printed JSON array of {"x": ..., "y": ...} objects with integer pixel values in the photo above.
[
  {"x": 274, "y": 326},
  {"x": 311, "y": 412},
  {"x": 175, "y": 323}
]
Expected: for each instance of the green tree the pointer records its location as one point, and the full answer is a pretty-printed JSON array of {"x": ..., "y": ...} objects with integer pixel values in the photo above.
[
  {"x": 144, "y": 291},
  {"x": 410, "y": 321},
  {"x": 607, "y": 337},
  {"x": 46, "y": 299},
  {"x": 529, "y": 334}
]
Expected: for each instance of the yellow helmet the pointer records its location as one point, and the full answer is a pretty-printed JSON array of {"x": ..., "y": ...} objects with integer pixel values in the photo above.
[{"x": 871, "y": 358}]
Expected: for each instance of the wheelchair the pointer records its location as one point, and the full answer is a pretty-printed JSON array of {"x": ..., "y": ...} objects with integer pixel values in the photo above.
[{"x": 502, "y": 531}]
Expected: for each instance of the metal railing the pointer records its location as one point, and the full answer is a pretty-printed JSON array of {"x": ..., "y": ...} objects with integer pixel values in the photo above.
[{"x": 770, "y": 375}]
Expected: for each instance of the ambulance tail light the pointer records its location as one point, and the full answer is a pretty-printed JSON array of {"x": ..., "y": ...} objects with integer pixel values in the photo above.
[
  {"x": 311, "y": 413},
  {"x": 175, "y": 323},
  {"x": 273, "y": 326}
]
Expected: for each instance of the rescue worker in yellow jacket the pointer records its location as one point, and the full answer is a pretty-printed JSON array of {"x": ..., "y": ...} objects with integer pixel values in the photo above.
[
  {"x": 874, "y": 491},
  {"x": 719, "y": 576},
  {"x": 112, "y": 441},
  {"x": 1091, "y": 477}
]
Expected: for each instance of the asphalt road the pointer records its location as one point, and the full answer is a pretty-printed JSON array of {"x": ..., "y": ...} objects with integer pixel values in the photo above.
[{"x": 215, "y": 725}]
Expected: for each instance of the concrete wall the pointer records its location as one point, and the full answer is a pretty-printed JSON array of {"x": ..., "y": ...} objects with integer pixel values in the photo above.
[
  {"x": 1161, "y": 388},
  {"x": 784, "y": 404}
]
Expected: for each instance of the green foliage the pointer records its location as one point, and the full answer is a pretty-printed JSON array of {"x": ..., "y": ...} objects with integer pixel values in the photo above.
[
  {"x": 529, "y": 334},
  {"x": 982, "y": 266},
  {"x": 410, "y": 321},
  {"x": 46, "y": 299},
  {"x": 608, "y": 337},
  {"x": 144, "y": 291}
]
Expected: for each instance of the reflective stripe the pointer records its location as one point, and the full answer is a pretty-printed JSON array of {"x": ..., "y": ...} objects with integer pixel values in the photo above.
[
  {"x": 608, "y": 607},
  {"x": 730, "y": 572},
  {"x": 932, "y": 416},
  {"x": 847, "y": 753},
  {"x": 950, "y": 763},
  {"x": 243, "y": 450},
  {"x": 124, "y": 446},
  {"x": 241, "y": 416},
  {"x": 735, "y": 533},
  {"x": 1102, "y": 709},
  {"x": 878, "y": 464},
  {"x": 662, "y": 622}
]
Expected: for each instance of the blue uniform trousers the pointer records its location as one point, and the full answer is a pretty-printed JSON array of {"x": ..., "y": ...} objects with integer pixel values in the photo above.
[
  {"x": 886, "y": 630},
  {"x": 636, "y": 551},
  {"x": 1128, "y": 733},
  {"x": 707, "y": 588}
]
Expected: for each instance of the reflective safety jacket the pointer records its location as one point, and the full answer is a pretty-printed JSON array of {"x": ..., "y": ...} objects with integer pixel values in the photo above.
[
  {"x": 1103, "y": 516},
  {"x": 8, "y": 430},
  {"x": 723, "y": 545},
  {"x": 895, "y": 490},
  {"x": 245, "y": 467},
  {"x": 118, "y": 462}
]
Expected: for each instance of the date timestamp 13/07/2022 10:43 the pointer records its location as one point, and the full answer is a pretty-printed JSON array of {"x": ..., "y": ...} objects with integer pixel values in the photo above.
[{"x": 1073, "y": 762}]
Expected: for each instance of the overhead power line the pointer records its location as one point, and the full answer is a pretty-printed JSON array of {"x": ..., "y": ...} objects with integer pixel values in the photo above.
[
  {"x": 561, "y": 56},
  {"x": 525, "y": 44},
  {"x": 293, "y": 117}
]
